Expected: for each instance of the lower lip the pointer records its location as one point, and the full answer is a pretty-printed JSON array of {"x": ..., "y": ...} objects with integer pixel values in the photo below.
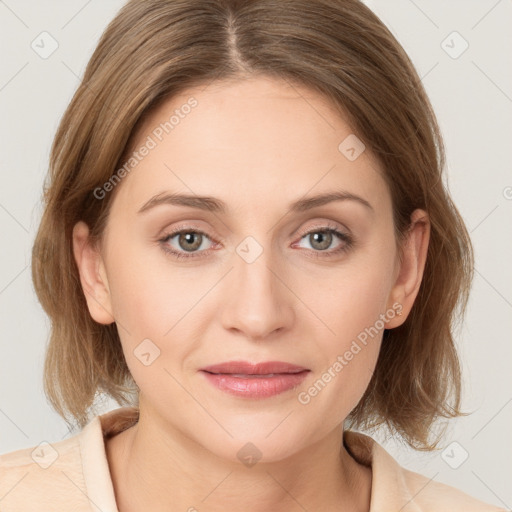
[{"x": 256, "y": 387}]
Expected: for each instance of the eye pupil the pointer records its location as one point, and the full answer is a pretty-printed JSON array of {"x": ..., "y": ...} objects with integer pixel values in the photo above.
[
  {"x": 324, "y": 238},
  {"x": 188, "y": 237}
]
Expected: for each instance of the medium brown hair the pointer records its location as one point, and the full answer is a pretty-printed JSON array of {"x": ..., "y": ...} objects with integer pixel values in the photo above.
[{"x": 154, "y": 49}]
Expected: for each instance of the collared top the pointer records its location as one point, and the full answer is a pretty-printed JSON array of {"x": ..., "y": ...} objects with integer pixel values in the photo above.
[{"x": 74, "y": 475}]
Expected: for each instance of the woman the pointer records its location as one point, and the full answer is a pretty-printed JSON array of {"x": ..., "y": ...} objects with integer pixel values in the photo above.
[{"x": 248, "y": 244}]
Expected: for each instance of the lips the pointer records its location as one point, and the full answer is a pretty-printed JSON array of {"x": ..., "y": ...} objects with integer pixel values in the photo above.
[
  {"x": 252, "y": 369},
  {"x": 255, "y": 380}
]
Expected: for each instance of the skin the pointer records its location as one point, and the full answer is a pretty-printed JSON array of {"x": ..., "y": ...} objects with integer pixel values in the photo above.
[{"x": 257, "y": 144}]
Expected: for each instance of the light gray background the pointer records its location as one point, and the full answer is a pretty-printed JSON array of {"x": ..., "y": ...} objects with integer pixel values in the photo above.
[{"x": 472, "y": 95}]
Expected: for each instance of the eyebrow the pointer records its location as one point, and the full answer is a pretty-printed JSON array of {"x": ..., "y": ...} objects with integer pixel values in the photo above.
[{"x": 213, "y": 204}]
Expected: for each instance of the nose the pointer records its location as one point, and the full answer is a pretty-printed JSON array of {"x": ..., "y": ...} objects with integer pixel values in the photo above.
[{"x": 258, "y": 300}]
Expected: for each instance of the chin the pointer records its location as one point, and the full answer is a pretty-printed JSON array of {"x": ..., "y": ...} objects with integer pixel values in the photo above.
[
  {"x": 268, "y": 439},
  {"x": 253, "y": 451}
]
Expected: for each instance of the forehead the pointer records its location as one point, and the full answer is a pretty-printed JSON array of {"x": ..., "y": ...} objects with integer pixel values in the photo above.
[{"x": 258, "y": 138}]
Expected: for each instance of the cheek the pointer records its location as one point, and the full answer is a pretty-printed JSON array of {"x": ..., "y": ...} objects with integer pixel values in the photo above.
[
  {"x": 349, "y": 336},
  {"x": 355, "y": 328},
  {"x": 146, "y": 294},
  {"x": 153, "y": 301},
  {"x": 354, "y": 297}
]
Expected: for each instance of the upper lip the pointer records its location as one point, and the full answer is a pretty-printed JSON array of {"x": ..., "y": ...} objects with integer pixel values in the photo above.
[{"x": 248, "y": 368}]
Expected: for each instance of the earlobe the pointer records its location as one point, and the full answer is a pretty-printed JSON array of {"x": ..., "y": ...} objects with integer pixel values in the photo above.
[
  {"x": 92, "y": 275},
  {"x": 410, "y": 274}
]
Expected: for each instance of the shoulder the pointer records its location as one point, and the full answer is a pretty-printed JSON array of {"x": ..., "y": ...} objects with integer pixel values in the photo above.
[
  {"x": 433, "y": 496},
  {"x": 72, "y": 474},
  {"x": 397, "y": 488},
  {"x": 47, "y": 476}
]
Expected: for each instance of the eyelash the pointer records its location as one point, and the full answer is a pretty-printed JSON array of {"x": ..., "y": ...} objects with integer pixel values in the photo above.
[{"x": 346, "y": 246}]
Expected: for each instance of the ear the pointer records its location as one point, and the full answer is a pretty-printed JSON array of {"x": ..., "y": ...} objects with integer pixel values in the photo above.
[
  {"x": 92, "y": 275},
  {"x": 410, "y": 272}
]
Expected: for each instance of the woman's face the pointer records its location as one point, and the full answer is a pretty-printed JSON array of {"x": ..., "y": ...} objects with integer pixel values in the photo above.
[{"x": 251, "y": 277}]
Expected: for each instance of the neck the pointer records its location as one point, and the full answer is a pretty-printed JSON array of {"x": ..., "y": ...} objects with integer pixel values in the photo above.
[{"x": 157, "y": 468}]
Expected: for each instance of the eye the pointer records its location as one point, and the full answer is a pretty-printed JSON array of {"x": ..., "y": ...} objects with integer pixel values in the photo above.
[
  {"x": 189, "y": 239},
  {"x": 189, "y": 242},
  {"x": 323, "y": 239}
]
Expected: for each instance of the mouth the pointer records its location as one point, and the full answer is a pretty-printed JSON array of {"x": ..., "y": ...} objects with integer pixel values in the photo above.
[{"x": 255, "y": 380}]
